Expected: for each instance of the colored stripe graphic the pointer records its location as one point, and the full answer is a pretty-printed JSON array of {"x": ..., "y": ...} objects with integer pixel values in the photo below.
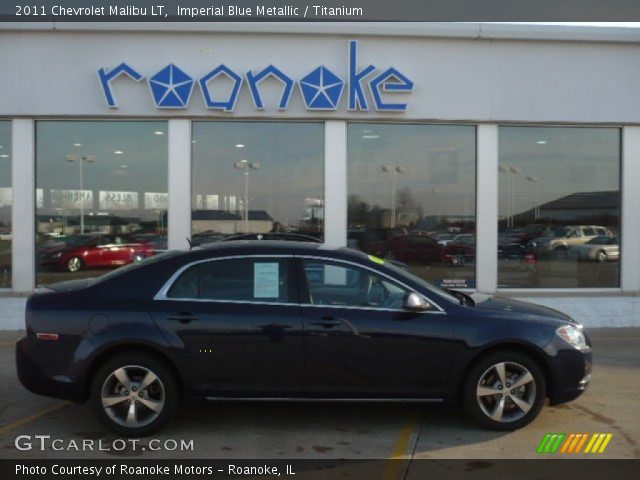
[
  {"x": 581, "y": 442},
  {"x": 572, "y": 443},
  {"x": 571, "y": 438}
]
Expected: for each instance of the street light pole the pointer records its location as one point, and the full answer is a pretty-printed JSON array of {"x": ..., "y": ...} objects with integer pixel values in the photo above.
[
  {"x": 536, "y": 208},
  {"x": 81, "y": 160},
  {"x": 393, "y": 170},
  {"x": 436, "y": 190},
  {"x": 512, "y": 172},
  {"x": 505, "y": 169},
  {"x": 245, "y": 166}
]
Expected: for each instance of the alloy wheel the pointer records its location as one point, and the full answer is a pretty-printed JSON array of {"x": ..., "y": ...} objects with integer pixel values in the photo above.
[
  {"x": 133, "y": 396},
  {"x": 506, "y": 392},
  {"x": 74, "y": 264}
]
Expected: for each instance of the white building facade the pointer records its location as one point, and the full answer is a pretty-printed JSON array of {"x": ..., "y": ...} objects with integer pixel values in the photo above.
[{"x": 491, "y": 158}]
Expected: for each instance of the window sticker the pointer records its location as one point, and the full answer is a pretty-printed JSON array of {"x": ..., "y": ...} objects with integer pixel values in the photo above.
[{"x": 265, "y": 280}]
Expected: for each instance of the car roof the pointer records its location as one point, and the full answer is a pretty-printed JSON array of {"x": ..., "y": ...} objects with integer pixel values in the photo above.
[
  {"x": 273, "y": 247},
  {"x": 259, "y": 244}
]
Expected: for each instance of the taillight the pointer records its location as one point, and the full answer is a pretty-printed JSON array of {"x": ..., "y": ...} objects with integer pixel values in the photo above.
[{"x": 529, "y": 258}]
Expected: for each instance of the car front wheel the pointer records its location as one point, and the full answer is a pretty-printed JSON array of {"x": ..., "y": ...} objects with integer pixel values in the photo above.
[
  {"x": 134, "y": 394},
  {"x": 504, "y": 391},
  {"x": 74, "y": 264}
]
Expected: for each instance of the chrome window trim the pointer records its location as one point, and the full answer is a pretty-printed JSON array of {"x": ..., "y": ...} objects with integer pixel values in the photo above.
[{"x": 162, "y": 293}]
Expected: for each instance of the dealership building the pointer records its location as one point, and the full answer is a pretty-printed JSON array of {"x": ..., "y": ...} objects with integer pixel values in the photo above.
[{"x": 486, "y": 157}]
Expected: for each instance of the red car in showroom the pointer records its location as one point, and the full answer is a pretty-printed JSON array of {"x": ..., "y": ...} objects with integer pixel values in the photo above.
[{"x": 75, "y": 252}]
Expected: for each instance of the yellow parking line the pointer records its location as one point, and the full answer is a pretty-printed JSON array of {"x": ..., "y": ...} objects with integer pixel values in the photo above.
[
  {"x": 32, "y": 418},
  {"x": 7, "y": 344},
  {"x": 400, "y": 450}
]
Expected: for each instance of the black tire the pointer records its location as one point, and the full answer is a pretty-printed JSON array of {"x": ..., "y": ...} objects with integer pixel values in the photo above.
[
  {"x": 131, "y": 360},
  {"x": 601, "y": 256},
  {"x": 472, "y": 403}
]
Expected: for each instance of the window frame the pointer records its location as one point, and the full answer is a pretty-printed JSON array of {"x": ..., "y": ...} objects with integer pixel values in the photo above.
[
  {"x": 296, "y": 269},
  {"x": 306, "y": 302},
  {"x": 291, "y": 272}
]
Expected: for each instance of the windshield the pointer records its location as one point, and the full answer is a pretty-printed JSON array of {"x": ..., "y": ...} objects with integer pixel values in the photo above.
[
  {"x": 559, "y": 232},
  {"x": 440, "y": 292},
  {"x": 73, "y": 240}
]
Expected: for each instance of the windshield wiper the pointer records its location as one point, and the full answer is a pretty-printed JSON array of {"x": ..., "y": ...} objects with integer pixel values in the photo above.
[{"x": 463, "y": 297}]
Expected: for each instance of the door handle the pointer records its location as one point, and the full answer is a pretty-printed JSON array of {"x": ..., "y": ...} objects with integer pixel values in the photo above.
[
  {"x": 326, "y": 322},
  {"x": 183, "y": 317}
]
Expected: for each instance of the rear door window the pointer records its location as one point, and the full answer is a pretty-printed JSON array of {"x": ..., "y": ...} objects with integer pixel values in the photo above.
[{"x": 238, "y": 279}]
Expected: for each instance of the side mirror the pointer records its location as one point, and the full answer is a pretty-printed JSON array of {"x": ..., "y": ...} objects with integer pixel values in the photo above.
[{"x": 414, "y": 302}]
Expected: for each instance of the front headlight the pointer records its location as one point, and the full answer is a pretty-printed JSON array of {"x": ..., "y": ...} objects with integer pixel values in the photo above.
[
  {"x": 57, "y": 255},
  {"x": 573, "y": 336}
]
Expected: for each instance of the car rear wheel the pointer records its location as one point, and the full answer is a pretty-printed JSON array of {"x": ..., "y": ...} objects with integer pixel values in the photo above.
[
  {"x": 74, "y": 264},
  {"x": 504, "y": 391},
  {"x": 134, "y": 394},
  {"x": 601, "y": 256}
]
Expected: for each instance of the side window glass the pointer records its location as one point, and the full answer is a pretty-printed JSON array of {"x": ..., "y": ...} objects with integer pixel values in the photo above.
[
  {"x": 245, "y": 279},
  {"x": 186, "y": 286},
  {"x": 339, "y": 285}
]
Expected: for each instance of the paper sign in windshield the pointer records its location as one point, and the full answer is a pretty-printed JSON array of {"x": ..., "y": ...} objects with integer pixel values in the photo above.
[{"x": 265, "y": 280}]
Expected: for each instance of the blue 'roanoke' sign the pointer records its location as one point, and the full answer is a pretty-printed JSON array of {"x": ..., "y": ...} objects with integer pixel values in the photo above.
[{"x": 321, "y": 89}]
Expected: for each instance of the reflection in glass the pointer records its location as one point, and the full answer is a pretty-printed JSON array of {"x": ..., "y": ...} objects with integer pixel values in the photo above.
[
  {"x": 559, "y": 207},
  {"x": 101, "y": 196},
  {"x": 5, "y": 204},
  {"x": 412, "y": 198},
  {"x": 257, "y": 177}
]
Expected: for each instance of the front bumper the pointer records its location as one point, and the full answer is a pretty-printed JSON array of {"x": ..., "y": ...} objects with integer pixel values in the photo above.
[
  {"x": 571, "y": 375},
  {"x": 34, "y": 379}
]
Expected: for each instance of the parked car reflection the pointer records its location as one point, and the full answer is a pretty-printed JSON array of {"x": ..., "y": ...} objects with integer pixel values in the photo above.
[
  {"x": 561, "y": 239},
  {"x": 75, "y": 252},
  {"x": 599, "y": 249}
]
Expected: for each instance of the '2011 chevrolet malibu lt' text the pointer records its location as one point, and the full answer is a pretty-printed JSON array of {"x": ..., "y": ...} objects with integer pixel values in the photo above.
[{"x": 292, "y": 320}]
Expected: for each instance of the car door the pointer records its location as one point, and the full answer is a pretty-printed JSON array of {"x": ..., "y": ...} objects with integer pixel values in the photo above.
[
  {"x": 239, "y": 325},
  {"x": 94, "y": 251},
  {"x": 360, "y": 342}
]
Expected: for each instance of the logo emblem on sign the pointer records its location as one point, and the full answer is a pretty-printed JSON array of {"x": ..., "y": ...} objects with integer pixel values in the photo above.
[
  {"x": 321, "y": 89},
  {"x": 171, "y": 87}
]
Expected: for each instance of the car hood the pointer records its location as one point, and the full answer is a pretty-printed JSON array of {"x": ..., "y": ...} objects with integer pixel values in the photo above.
[{"x": 496, "y": 303}]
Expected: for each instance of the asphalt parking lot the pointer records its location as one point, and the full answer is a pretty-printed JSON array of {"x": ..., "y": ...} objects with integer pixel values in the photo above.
[{"x": 340, "y": 431}]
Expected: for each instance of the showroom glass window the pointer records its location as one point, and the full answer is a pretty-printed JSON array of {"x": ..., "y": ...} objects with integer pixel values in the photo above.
[
  {"x": 101, "y": 196},
  {"x": 559, "y": 207},
  {"x": 5, "y": 204},
  {"x": 257, "y": 177},
  {"x": 411, "y": 198}
]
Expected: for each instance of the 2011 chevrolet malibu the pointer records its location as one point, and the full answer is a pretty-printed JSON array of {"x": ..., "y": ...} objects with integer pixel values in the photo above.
[{"x": 292, "y": 320}]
